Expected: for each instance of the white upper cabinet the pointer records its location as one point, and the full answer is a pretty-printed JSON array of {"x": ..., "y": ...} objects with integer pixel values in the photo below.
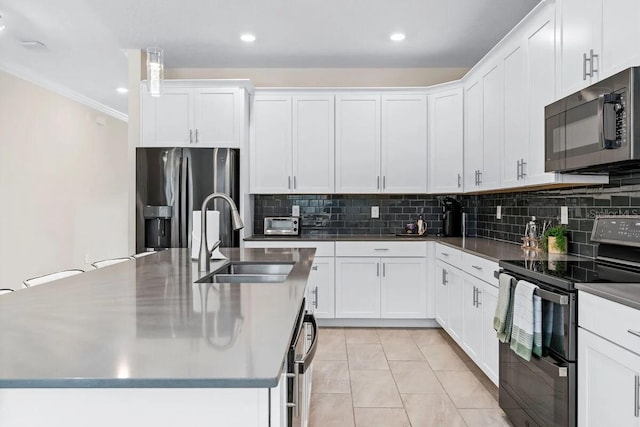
[
  {"x": 292, "y": 146},
  {"x": 446, "y": 141},
  {"x": 473, "y": 138},
  {"x": 313, "y": 144},
  {"x": 599, "y": 38},
  {"x": 271, "y": 145},
  {"x": 381, "y": 143},
  {"x": 490, "y": 175},
  {"x": 516, "y": 117},
  {"x": 404, "y": 144},
  {"x": 186, "y": 116},
  {"x": 358, "y": 144}
]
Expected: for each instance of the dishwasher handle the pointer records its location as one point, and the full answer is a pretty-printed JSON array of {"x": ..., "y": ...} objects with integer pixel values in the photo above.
[{"x": 305, "y": 362}]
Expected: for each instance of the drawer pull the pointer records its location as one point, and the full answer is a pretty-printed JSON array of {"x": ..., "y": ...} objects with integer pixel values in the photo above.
[
  {"x": 381, "y": 249},
  {"x": 477, "y": 267},
  {"x": 314, "y": 268},
  {"x": 444, "y": 253},
  {"x": 632, "y": 332}
]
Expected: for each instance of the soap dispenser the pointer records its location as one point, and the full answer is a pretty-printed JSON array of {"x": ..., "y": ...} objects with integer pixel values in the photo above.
[{"x": 422, "y": 226}]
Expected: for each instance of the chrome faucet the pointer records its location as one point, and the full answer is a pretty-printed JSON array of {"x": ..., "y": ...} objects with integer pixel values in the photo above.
[{"x": 204, "y": 263}]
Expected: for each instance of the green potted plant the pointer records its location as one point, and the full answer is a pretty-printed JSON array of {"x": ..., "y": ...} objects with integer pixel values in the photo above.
[{"x": 554, "y": 240}]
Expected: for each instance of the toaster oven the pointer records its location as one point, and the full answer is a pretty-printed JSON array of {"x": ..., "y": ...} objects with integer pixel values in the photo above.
[{"x": 282, "y": 226}]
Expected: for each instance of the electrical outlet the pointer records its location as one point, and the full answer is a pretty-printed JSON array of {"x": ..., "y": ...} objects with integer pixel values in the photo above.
[
  {"x": 498, "y": 212},
  {"x": 375, "y": 212},
  {"x": 564, "y": 215},
  {"x": 295, "y": 210}
]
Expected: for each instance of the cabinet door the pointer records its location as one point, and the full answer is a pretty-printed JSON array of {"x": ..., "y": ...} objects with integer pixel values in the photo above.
[
  {"x": 492, "y": 101},
  {"x": 404, "y": 143},
  {"x": 358, "y": 287},
  {"x": 542, "y": 89},
  {"x": 617, "y": 35},
  {"x": 473, "y": 141},
  {"x": 608, "y": 377},
  {"x": 404, "y": 288},
  {"x": 321, "y": 287},
  {"x": 442, "y": 295},
  {"x": 358, "y": 144},
  {"x": 167, "y": 119},
  {"x": 577, "y": 40},
  {"x": 313, "y": 144},
  {"x": 271, "y": 145},
  {"x": 471, "y": 318},
  {"x": 216, "y": 124},
  {"x": 454, "y": 282},
  {"x": 516, "y": 117},
  {"x": 488, "y": 299},
  {"x": 446, "y": 141}
]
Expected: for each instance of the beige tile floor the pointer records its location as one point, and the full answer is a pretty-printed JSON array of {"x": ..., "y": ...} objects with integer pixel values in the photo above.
[{"x": 398, "y": 377}]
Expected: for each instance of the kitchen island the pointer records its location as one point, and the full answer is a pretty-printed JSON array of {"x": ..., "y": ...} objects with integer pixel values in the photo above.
[{"x": 144, "y": 343}]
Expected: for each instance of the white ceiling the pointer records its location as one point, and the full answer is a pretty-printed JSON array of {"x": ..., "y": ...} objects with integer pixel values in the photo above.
[{"x": 85, "y": 38}]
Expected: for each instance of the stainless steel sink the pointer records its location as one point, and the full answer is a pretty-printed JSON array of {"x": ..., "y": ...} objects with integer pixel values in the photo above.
[
  {"x": 247, "y": 278},
  {"x": 260, "y": 268},
  {"x": 250, "y": 272}
]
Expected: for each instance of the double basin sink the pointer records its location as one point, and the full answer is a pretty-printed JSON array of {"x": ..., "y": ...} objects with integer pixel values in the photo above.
[{"x": 249, "y": 272}]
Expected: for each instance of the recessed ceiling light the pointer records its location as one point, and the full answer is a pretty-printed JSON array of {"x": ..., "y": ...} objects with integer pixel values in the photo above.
[
  {"x": 122, "y": 90},
  {"x": 397, "y": 37},
  {"x": 248, "y": 38}
]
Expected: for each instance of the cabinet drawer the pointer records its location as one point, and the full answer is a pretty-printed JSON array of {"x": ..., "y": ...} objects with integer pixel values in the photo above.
[
  {"x": 480, "y": 267},
  {"x": 322, "y": 248},
  {"x": 381, "y": 249},
  {"x": 448, "y": 254},
  {"x": 610, "y": 320}
]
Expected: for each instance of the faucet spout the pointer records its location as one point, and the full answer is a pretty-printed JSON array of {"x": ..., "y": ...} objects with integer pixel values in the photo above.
[{"x": 204, "y": 262}]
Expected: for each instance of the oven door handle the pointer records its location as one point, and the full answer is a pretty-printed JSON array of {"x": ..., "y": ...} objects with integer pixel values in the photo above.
[
  {"x": 305, "y": 362},
  {"x": 542, "y": 293}
]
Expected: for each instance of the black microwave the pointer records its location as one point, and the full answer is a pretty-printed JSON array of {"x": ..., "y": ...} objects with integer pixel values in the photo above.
[{"x": 595, "y": 129}]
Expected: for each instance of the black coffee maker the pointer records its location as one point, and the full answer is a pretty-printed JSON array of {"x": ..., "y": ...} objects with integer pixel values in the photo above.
[{"x": 451, "y": 217}]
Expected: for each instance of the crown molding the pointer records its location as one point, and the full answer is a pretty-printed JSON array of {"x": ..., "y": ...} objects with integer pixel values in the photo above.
[{"x": 31, "y": 77}]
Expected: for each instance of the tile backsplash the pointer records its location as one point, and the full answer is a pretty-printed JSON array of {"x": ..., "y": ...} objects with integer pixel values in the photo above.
[{"x": 351, "y": 214}]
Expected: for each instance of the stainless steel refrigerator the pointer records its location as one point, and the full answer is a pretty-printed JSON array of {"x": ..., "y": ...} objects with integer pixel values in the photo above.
[{"x": 171, "y": 183}]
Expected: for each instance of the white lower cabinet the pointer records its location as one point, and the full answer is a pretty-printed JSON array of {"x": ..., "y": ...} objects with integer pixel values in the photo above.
[
  {"x": 466, "y": 303},
  {"x": 609, "y": 368},
  {"x": 320, "y": 289},
  {"x": 357, "y": 287}
]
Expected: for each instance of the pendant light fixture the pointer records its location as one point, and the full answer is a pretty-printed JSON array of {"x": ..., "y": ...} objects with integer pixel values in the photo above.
[{"x": 155, "y": 70}]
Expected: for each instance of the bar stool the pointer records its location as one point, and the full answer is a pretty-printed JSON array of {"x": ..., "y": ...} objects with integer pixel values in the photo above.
[
  {"x": 107, "y": 262},
  {"x": 35, "y": 281},
  {"x": 143, "y": 254},
  {"x": 5, "y": 291}
]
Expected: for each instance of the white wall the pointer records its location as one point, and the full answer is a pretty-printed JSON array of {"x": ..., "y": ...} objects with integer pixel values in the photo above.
[{"x": 63, "y": 183}]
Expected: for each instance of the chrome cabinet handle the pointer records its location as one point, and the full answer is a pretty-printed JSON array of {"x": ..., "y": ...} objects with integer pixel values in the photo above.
[
  {"x": 477, "y": 267},
  {"x": 294, "y": 182},
  {"x": 591, "y": 61},
  {"x": 584, "y": 66},
  {"x": 289, "y": 182},
  {"x": 190, "y": 136},
  {"x": 384, "y": 181},
  {"x": 459, "y": 180},
  {"x": 479, "y": 178},
  {"x": 474, "y": 296},
  {"x": 632, "y": 332},
  {"x": 518, "y": 171},
  {"x": 197, "y": 138},
  {"x": 636, "y": 397},
  {"x": 478, "y": 292},
  {"x": 384, "y": 269},
  {"x": 381, "y": 249},
  {"x": 314, "y": 268},
  {"x": 444, "y": 277},
  {"x": 293, "y": 404},
  {"x": 378, "y": 269},
  {"x": 522, "y": 165},
  {"x": 378, "y": 183},
  {"x": 444, "y": 254},
  {"x": 315, "y": 293}
]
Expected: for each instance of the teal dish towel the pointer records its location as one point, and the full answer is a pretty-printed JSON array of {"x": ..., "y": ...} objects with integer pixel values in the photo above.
[
  {"x": 504, "y": 309},
  {"x": 523, "y": 320}
]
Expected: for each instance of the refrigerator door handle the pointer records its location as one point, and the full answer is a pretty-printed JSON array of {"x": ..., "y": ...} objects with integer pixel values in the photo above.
[{"x": 184, "y": 176}]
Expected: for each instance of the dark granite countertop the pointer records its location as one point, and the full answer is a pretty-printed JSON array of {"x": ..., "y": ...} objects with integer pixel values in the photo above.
[
  {"x": 145, "y": 323},
  {"x": 493, "y": 250},
  {"x": 624, "y": 293}
]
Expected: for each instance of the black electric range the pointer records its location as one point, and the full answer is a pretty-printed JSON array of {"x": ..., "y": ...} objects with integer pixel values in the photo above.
[{"x": 543, "y": 391}]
